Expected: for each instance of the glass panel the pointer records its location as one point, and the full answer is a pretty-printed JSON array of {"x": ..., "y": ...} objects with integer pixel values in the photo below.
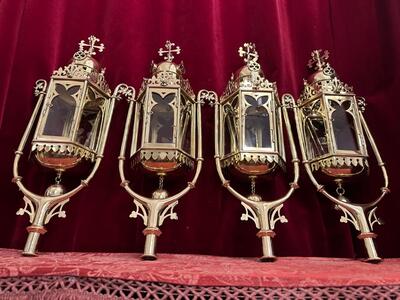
[
  {"x": 316, "y": 136},
  {"x": 137, "y": 123},
  {"x": 343, "y": 127},
  {"x": 229, "y": 135},
  {"x": 185, "y": 126},
  {"x": 257, "y": 124},
  {"x": 61, "y": 111},
  {"x": 162, "y": 119},
  {"x": 89, "y": 126}
]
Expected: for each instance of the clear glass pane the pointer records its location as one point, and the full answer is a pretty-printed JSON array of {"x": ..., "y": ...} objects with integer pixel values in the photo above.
[
  {"x": 185, "y": 129},
  {"x": 257, "y": 127},
  {"x": 316, "y": 136},
  {"x": 162, "y": 119},
  {"x": 344, "y": 127},
  {"x": 228, "y": 135},
  {"x": 61, "y": 112},
  {"x": 89, "y": 126}
]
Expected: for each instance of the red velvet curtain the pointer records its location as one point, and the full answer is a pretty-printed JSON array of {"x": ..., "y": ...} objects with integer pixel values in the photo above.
[{"x": 363, "y": 36}]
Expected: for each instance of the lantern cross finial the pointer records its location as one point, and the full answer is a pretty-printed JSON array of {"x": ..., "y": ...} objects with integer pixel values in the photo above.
[
  {"x": 169, "y": 50},
  {"x": 318, "y": 59},
  {"x": 92, "y": 45},
  {"x": 250, "y": 56}
]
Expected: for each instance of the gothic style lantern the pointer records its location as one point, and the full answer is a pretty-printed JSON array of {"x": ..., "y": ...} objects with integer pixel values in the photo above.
[
  {"x": 72, "y": 125},
  {"x": 166, "y": 122},
  {"x": 330, "y": 126},
  {"x": 249, "y": 139}
]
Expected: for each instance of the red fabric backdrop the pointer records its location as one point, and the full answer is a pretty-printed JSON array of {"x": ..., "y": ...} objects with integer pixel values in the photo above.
[{"x": 39, "y": 36}]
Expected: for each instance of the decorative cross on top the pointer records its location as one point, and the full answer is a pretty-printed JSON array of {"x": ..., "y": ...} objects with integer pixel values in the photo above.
[
  {"x": 250, "y": 53},
  {"x": 92, "y": 45},
  {"x": 318, "y": 59},
  {"x": 169, "y": 50}
]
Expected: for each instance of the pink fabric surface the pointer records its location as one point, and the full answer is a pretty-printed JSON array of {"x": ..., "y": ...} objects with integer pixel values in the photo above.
[{"x": 204, "y": 270}]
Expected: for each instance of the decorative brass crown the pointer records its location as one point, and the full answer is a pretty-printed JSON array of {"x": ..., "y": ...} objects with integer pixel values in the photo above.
[
  {"x": 84, "y": 66},
  {"x": 248, "y": 76},
  {"x": 324, "y": 80},
  {"x": 167, "y": 72}
]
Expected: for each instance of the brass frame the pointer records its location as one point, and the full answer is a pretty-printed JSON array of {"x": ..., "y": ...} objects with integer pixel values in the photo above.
[
  {"x": 165, "y": 76},
  {"x": 41, "y": 209},
  {"x": 362, "y": 216},
  {"x": 154, "y": 211},
  {"x": 265, "y": 214}
]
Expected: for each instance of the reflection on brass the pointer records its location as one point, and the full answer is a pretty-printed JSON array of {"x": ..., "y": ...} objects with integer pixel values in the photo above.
[
  {"x": 249, "y": 137},
  {"x": 160, "y": 166},
  {"x": 255, "y": 169},
  {"x": 166, "y": 136},
  {"x": 57, "y": 161},
  {"x": 73, "y": 115},
  {"x": 331, "y": 128}
]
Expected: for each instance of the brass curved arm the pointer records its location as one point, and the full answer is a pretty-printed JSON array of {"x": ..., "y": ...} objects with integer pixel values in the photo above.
[
  {"x": 320, "y": 187},
  {"x": 42, "y": 208},
  {"x": 264, "y": 213},
  {"x": 385, "y": 189},
  {"x": 293, "y": 185},
  {"x": 121, "y": 158},
  {"x": 85, "y": 182},
  {"x": 354, "y": 213},
  {"x": 40, "y": 90},
  {"x": 154, "y": 211}
]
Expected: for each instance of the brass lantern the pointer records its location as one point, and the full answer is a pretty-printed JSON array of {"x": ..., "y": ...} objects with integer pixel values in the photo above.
[
  {"x": 166, "y": 137},
  {"x": 249, "y": 140},
  {"x": 73, "y": 115},
  {"x": 331, "y": 130}
]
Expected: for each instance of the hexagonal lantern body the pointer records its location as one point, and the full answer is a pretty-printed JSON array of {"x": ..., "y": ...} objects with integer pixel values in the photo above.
[
  {"x": 251, "y": 125},
  {"x": 330, "y": 121},
  {"x": 165, "y": 121},
  {"x": 75, "y": 109}
]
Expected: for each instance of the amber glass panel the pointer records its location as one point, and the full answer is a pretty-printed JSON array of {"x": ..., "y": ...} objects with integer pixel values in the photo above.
[
  {"x": 257, "y": 123},
  {"x": 343, "y": 126},
  {"x": 162, "y": 119},
  {"x": 61, "y": 111}
]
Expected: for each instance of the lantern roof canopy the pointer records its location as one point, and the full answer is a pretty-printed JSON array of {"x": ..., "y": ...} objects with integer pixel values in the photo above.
[
  {"x": 323, "y": 79},
  {"x": 249, "y": 76},
  {"x": 84, "y": 66},
  {"x": 167, "y": 73}
]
